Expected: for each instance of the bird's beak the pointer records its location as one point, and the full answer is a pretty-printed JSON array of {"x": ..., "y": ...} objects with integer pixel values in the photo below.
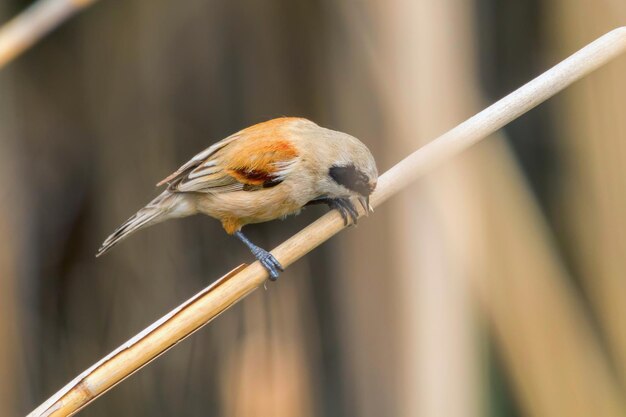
[{"x": 365, "y": 203}]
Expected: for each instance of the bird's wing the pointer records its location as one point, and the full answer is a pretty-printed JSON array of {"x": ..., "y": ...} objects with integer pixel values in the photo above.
[{"x": 254, "y": 158}]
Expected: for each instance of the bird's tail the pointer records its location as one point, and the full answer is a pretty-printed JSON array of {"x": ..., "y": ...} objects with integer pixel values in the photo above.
[{"x": 158, "y": 210}]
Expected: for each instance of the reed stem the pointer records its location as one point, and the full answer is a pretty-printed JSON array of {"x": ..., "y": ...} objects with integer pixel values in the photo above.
[{"x": 25, "y": 29}]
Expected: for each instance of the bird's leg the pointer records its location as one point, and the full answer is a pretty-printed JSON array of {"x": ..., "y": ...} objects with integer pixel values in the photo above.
[
  {"x": 343, "y": 205},
  {"x": 267, "y": 259}
]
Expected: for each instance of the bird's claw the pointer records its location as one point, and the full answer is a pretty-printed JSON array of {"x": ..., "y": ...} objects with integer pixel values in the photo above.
[
  {"x": 345, "y": 208},
  {"x": 269, "y": 262}
]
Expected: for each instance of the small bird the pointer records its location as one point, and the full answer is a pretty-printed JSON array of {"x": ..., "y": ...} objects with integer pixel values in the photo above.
[{"x": 267, "y": 171}]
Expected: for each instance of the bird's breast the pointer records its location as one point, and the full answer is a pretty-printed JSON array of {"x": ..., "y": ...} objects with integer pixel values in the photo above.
[{"x": 255, "y": 206}]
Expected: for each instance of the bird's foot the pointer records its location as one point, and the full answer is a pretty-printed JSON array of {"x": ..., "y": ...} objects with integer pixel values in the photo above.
[
  {"x": 269, "y": 262},
  {"x": 345, "y": 208}
]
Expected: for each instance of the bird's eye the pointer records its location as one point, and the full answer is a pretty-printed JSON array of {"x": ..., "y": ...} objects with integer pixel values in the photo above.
[{"x": 352, "y": 178}]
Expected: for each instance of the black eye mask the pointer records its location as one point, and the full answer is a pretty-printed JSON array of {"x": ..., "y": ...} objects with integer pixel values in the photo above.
[{"x": 351, "y": 178}]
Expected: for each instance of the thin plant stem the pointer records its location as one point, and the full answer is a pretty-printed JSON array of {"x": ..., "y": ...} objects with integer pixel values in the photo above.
[
  {"x": 28, "y": 27},
  {"x": 209, "y": 303}
]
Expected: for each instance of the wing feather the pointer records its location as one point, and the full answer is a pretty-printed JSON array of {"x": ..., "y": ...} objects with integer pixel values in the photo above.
[{"x": 255, "y": 158}]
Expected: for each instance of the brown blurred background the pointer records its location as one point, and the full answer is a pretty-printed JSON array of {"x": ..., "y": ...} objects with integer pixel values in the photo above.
[{"x": 496, "y": 286}]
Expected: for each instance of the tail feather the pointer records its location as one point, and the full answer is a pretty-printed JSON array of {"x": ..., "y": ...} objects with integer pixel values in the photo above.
[{"x": 156, "y": 211}]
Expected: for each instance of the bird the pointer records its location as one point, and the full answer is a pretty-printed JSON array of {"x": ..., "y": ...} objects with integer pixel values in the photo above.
[{"x": 267, "y": 171}]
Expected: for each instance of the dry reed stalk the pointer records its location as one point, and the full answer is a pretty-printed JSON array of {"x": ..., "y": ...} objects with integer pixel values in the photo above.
[
  {"x": 593, "y": 202},
  {"x": 430, "y": 87},
  {"x": 525, "y": 292},
  {"x": 11, "y": 215},
  {"x": 205, "y": 306},
  {"x": 25, "y": 29},
  {"x": 12, "y": 212},
  {"x": 270, "y": 354}
]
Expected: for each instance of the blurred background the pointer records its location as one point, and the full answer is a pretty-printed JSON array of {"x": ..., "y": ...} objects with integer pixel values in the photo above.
[{"x": 496, "y": 286}]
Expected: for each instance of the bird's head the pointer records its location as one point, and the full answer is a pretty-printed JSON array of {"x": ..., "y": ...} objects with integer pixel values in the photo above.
[{"x": 352, "y": 172}]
